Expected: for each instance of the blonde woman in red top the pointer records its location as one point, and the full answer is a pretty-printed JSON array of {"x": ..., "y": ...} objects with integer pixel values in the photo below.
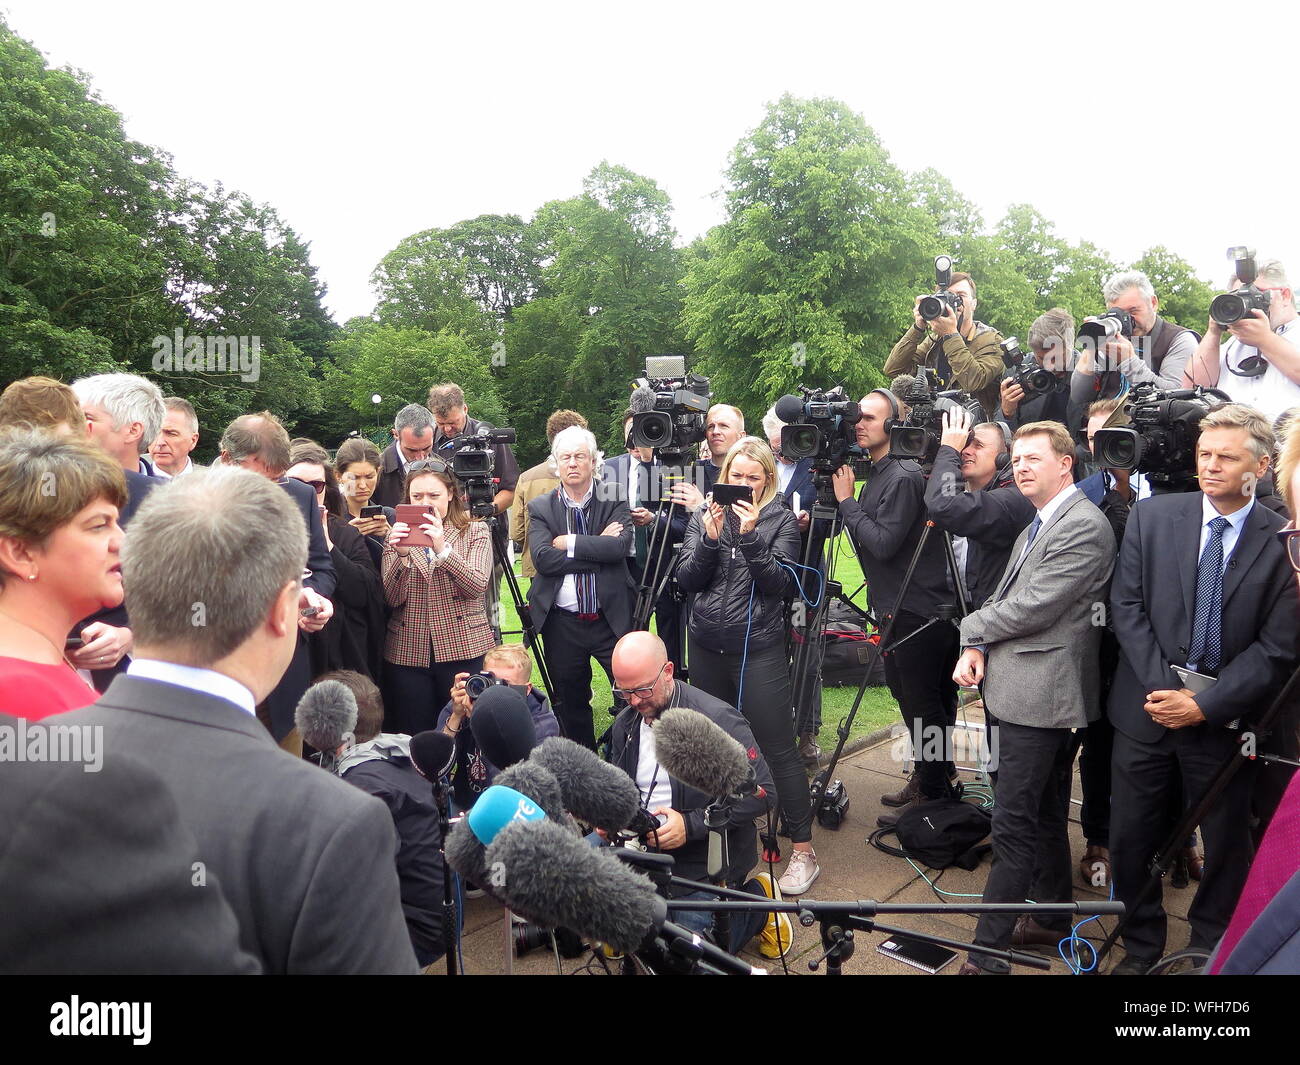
[
  {"x": 439, "y": 626},
  {"x": 60, "y": 562}
]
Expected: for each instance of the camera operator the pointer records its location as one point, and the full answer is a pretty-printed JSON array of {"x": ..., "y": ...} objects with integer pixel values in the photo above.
[
  {"x": 735, "y": 561},
  {"x": 987, "y": 516},
  {"x": 451, "y": 416},
  {"x": 1051, "y": 340},
  {"x": 1261, "y": 353},
  {"x": 471, "y": 772},
  {"x": 644, "y": 677},
  {"x": 963, "y": 351},
  {"x": 1157, "y": 354},
  {"x": 885, "y": 524}
]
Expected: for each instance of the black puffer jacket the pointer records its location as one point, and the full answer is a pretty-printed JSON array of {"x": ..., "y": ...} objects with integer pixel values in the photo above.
[{"x": 721, "y": 575}]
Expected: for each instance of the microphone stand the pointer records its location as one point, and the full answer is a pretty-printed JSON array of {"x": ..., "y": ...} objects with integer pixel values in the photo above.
[{"x": 448, "y": 903}]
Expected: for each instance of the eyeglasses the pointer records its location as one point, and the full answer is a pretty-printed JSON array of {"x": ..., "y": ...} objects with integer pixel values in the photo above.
[
  {"x": 317, "y": 486},
  {"x": 426, "y": 466},
  {"x": 1290, "y": 539},
  {"x": 642, "y": 693}
]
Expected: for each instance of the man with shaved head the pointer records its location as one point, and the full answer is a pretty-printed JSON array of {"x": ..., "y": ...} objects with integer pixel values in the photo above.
[{"x": 643, "y": 676}]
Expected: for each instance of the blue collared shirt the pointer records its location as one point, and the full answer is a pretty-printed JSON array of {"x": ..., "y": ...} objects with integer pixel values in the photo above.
[{"x": 208, "y": 681}]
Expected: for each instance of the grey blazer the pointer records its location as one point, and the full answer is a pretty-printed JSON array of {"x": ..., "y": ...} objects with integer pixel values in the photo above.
[
  {"x": 1042, "y": 626},
  {"x": 306, "y": 861}
]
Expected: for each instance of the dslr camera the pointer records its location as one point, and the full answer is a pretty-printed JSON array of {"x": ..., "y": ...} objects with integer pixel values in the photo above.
[
  {"x": 676, "y": 423},
  {"x": 481, "y": 682},
  {"x": 917, "y": 436},
  {"x": 1024, "y": 370},
  {"x": 819, "y": 427},
  {"x": 933, "y": 304},
  {"x": 1161, "y": 439},
  {"x": 473, "y": 461},
  {"x": 1114, "y": 321},
  {"x": 1241, "y": 302}
]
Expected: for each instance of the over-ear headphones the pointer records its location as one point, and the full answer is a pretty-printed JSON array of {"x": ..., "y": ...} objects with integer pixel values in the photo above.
[
  {"x": 895, "y": 412},
  {"x": 1004, "y": 457}
]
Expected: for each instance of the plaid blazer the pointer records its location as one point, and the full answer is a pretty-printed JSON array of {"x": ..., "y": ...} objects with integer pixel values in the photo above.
[{"x": 439, "y": 606}]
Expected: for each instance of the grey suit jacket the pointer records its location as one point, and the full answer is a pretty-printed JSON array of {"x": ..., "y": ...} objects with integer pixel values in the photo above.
[
  {"x": 1042, "y": 625},
  {"x": 306, "y": 861}
]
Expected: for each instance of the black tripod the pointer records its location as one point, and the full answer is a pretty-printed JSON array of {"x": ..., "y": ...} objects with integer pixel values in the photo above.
[
  {"x": 658, "y": 577},
  {"x": 828, "y": 797},
  {"x": 1164, "y": 858}
]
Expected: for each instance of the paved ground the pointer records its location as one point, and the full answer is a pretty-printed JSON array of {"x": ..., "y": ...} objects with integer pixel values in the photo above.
[{"x": 851, "y": 869}]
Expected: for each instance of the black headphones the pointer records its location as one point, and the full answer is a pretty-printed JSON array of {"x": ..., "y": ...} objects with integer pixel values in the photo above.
[
  {"x": 895, "y": 412},
  {"x": 1004, "y": 457}
]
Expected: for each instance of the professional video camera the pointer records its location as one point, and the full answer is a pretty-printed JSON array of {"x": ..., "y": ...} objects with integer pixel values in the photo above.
[
  {"x": 473, "y": 461},
  {"x": 1114, "y": 321},
  {"x": 917, "y": 436},
  {"x": 932, "y": 304},
  {"x": 1033, "y": 379},
  {"x": 676, "y": 423},
  {"x": 1162, "y": 440},
  {"x": 1233, "y": 306},
  {"x": 820, "y": 427}
]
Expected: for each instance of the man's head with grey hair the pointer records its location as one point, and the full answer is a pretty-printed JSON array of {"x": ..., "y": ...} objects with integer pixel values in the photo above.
[
  {"x": 178, "y": 436},
  {"x": 1131, "y": 291},
  {"x": 258, "y": 442},
  {"x": 1051, "y": 338},
  {"x": 575, "y": 459},
  {"x": 212, "y": 571},
  {"x": 413, "y": 432},
  {"x": 1271, "y": 276},
  {"x": 123, "y": 414},
  {"x": 772, "y": 426}
]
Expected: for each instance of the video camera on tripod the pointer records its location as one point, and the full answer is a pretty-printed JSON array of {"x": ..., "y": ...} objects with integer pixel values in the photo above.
[
  {"x": 676, "y": 422},
  {"x": 917, "y": 435},
  {"x": 820, "y": 427},
  {"x": 1162, "y": 440},
  {"x": 473, "y": 461}
]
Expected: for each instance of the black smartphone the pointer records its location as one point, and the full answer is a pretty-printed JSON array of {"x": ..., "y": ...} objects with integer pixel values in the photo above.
[
  {"x": 372, "y": 512},
  {"x": 73, "y": 643},
  {"x": 726, "y": 494}
]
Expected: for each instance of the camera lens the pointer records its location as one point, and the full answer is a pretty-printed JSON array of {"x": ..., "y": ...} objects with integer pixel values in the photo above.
[
  {"x": 930, "y": 308},
  {"x": 908, "y": 442},
  {"x": 476, "y": 685},
  {"x": 652, "y": 429},
  {"x": 1117, "y": 449},
  {"x": 1227, "y": 308}
]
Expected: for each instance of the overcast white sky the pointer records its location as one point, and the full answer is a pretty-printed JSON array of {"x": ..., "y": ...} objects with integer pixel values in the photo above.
[{"x": 363, "y": 123}]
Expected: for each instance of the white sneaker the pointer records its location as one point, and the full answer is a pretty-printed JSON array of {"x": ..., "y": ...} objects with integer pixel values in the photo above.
[{"x": 799, "y": 874}]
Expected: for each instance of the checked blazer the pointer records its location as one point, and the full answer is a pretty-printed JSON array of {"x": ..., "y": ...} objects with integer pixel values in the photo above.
[{"x": 438, "y": 606}]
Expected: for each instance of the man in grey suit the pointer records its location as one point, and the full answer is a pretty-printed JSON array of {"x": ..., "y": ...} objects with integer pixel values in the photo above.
[
  {"x": 1035, "y": 645},
  {"x": 213, "y": 574}
]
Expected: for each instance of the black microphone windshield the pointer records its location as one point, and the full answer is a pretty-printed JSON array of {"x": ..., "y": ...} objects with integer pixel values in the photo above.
[
  {"x": 594, "y": 791},
  {"x": 548, "y": 874},
  {"x": 326, "y": 714},
  {"x": 502, "y": 726},
  {"x": 789, "y": 409},
  {"x": 432, "y": 753},
  {"x": 700, "y": 754}
]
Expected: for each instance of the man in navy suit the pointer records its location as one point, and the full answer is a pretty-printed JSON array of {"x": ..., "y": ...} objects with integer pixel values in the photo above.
[
  {"x": 1203, "y": 584},
  {"x": 258, "y": 442}
]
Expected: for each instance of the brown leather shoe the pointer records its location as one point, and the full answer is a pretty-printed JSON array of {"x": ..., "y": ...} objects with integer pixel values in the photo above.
[
  {"x": 1094, "y": 866},
  {"x": 970, "y": 969},
  {"x": 909, "y": 791},
  {"x": 1195, "y": 863},
  {"x": 1029, "y": 933},
  {"x": 889, "y": 820}
]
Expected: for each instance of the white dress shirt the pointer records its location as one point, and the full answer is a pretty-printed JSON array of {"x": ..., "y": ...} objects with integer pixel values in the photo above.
[
  {"x": 567, "y": 597},
  {"x": 1230, "y": 535},
  {"x": 207, "y": 681}
]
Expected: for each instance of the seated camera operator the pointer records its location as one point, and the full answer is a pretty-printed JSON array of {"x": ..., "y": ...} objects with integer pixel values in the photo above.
[
  {"x": 471, "y": 772},
  {"x": 885, "y": 524},
  {"x": 644, "y": 677},
  {"x": 1157, "y": 354},
  {"x": 963, "y": 351},
  {"x": 986, "y": 518},
  {"x": 1262, "y": 352},
  {"x": 1051, "y": 340},
  {"x": 379, "y": 763}
]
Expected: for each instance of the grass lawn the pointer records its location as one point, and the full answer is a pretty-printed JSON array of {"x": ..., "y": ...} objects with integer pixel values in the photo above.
[{"x": 878, "y": 706}]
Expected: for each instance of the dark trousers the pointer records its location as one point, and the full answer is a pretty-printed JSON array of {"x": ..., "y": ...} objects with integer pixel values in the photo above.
[
  {"x": 1095, "y": 742},
  {"x": 415, "y": 697},
  {"x": 919, "y": 674},
  {"x": 571, "y": 644},
  {"x": 1031, "y": 844},
  {"x": 1145, "y": 775},
  {"x": 765, "y": 704}
]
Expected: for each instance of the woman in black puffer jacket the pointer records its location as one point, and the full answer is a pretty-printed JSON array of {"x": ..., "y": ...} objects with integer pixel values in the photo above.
[{"x": 731, "y": 562}]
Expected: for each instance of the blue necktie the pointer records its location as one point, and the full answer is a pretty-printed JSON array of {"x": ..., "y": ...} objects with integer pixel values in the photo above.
[
  {"x": 1034, "y": 526},
  {"x": 1205, "y": 648}
]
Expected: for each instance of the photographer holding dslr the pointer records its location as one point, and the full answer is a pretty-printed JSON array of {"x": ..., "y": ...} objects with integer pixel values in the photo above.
[
  {"x": 1037, "y": 386},
  {"x": 962, "y": 350},
  {"x": 885, "y": 523}
]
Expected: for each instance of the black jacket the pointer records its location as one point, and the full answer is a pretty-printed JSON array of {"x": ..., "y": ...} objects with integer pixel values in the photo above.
[
  {"x": 354, "y": 637},
  {"x": 505, "y": 469},
  {"x": 1052, "y": 406},
  {"x": 691, "y": 859},
  {"x": 885, "y": 523},
  {"x": 990, "y": 519},
  {"x": 738, "y": 577},
  {"x": 409, "y": 798}
]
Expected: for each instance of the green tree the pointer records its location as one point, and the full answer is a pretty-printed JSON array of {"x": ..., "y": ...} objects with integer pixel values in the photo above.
[
  {"x": 541, "y": 339},
  {"x": 1184, "y": 297}
]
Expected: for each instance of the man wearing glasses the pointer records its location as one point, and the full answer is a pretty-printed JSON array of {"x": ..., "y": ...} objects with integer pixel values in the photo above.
[
  {"x": 1262, "y": 353},
  {"x": 1203, "y": 604}
]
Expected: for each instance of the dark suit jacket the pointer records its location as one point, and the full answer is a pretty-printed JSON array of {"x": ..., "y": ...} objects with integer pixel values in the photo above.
[
  {"x": 606, "y": 556},
  {"x": 305, "y": 860},
  {"x": 95, "y": 875},
  {"x": 392, "y": 479},
  {"x": 801, "y": 483},
  {"x": 1153, "y": 603},
  {"x": 322, "y": 578}
]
